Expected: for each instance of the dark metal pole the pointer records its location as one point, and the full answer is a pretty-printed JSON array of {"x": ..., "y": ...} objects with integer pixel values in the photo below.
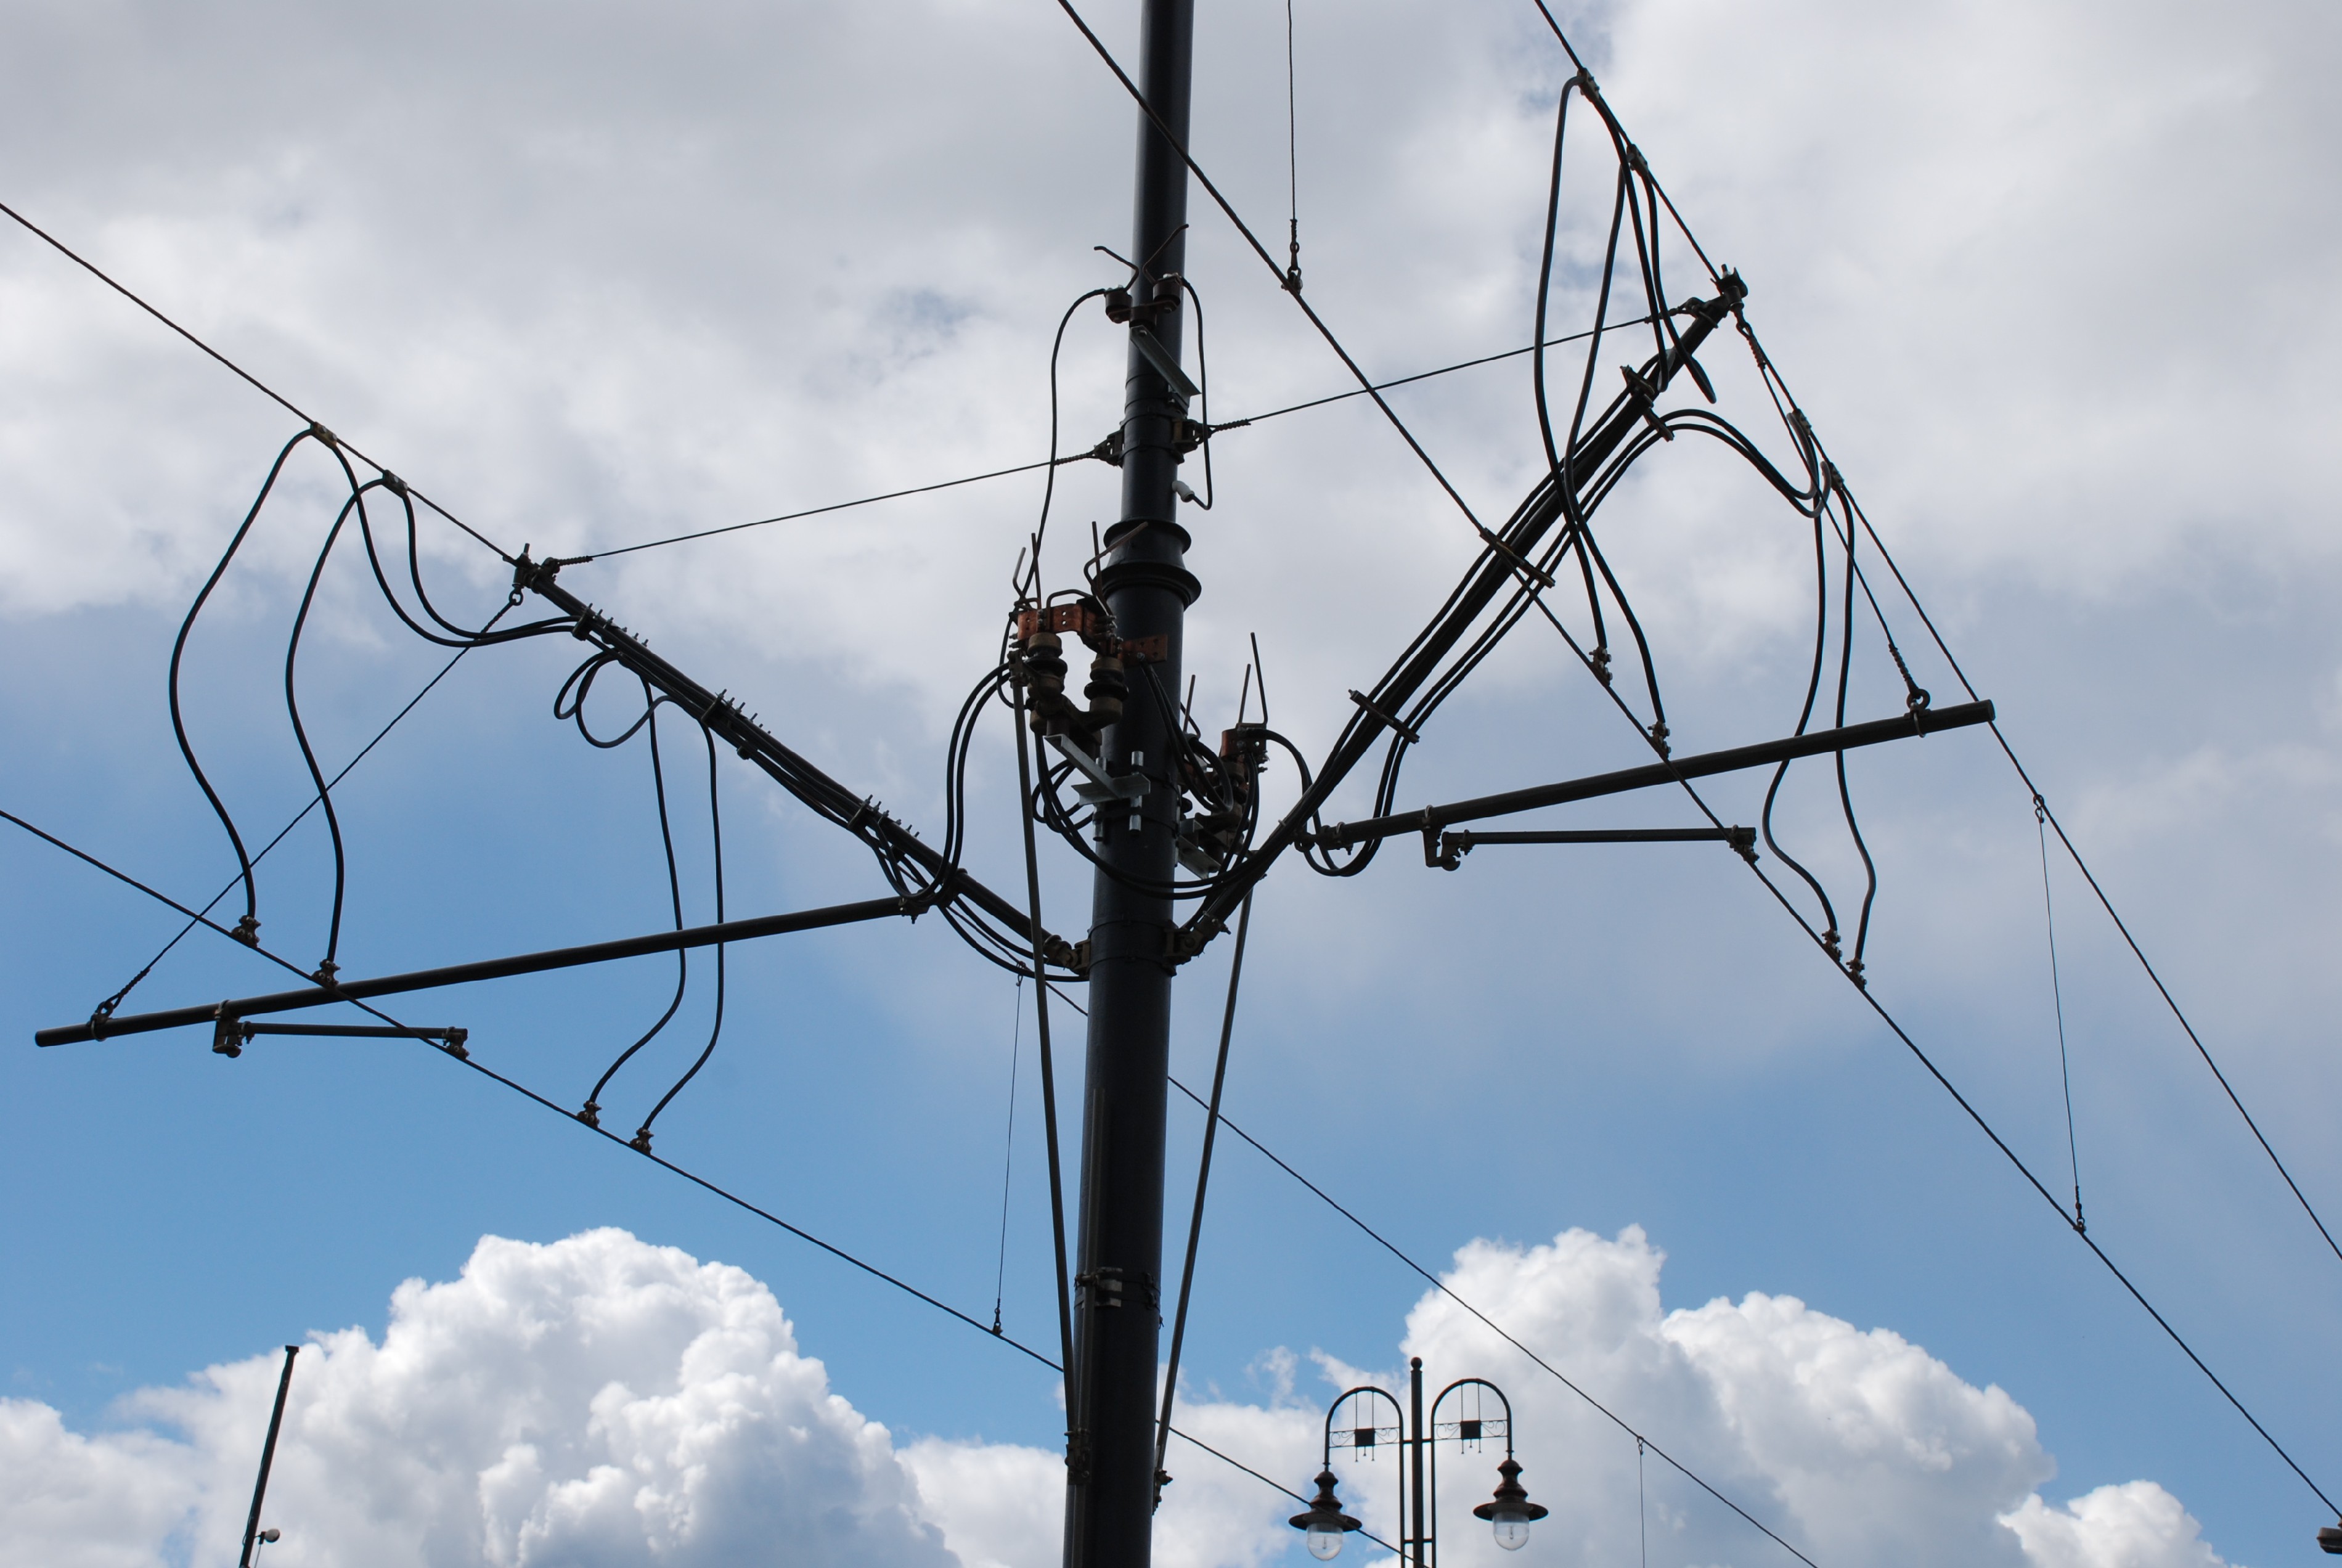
[
  {"x": 268, "y": 1456},
  {"x": 1422, "y": 1513},
  {"x": 1110, "y": 1455}
]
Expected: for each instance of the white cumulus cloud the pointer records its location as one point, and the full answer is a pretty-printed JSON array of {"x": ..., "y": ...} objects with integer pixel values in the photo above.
[
  {"x": 2139, "y": 1526},
  {"x": 603, "y": 1400},
  {"x": 592, "y": 1401}
]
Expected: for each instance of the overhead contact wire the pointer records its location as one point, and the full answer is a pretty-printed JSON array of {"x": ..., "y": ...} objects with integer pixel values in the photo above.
[{"x": 1498, "y": 1329}]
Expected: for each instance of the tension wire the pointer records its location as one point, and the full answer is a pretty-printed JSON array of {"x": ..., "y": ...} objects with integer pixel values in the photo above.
[{"x": 1008, "y": 1157}]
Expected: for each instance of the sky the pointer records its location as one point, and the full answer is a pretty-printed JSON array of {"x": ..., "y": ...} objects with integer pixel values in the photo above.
[{"x": 2047, "y": 279}]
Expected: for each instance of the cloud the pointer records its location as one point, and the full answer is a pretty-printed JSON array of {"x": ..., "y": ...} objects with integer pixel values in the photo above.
[
  {"x": 107, "y": 1502},
  {"x": 601, "y": 1400},
  {"x": 596, "y": 1400},
  {"x": 2137, "y": 1525}
]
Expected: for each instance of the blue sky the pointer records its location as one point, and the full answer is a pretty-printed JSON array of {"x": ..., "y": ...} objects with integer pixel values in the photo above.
[{"x": 2041, "y": 275}]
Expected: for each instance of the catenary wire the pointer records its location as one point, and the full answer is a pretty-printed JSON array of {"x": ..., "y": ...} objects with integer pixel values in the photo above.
[
  {"x": 163, "y": 898},
  {"x": 246, "y": 376},
  {"x": 835, "y": 507},
  {"x": 1443, "y": 1288},
  {"x": 1060, "y": 461}
]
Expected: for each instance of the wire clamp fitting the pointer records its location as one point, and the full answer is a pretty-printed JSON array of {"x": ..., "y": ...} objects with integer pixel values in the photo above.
[
  {"x": 393, "y": 484},
  {"x": 323, "y": 435},
  {"x": 1648, "y": 394},
  {"x": 247, "y": 930},
  {"x": 1530, "y": 568},
  {"x": 1367, "y": 706}
]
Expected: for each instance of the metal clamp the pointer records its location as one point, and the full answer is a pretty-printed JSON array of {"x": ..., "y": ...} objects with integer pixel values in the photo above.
[{"x": 1103, "y": 785}]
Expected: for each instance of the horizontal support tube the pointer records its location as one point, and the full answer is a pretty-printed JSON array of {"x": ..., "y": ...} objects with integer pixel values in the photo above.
[
  {"x": 1924, "y": 722},
  {"x": 487, "y": 969},
  {"x": 1467, "y": 838},
  {"x": 347, "y": 1031}
]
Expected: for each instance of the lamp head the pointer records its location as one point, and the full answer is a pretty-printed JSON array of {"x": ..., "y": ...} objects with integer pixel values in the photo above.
[
  {"x": 1510, "y": 1512},
  {"x": 2330, "y": 1540},
  {"x": 1325, "y": 1522}
]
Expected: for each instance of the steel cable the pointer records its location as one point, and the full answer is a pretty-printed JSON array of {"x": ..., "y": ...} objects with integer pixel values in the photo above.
[{"x": 242, "y": 373}]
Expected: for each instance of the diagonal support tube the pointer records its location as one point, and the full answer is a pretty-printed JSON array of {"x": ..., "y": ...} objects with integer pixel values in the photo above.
[{"x": 785, "y": 766}]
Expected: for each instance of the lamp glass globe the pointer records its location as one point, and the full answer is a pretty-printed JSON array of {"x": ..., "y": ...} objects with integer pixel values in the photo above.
[
  {"x": 1325, "y": 1542},
  {"x": 1512, "y": 1531}
]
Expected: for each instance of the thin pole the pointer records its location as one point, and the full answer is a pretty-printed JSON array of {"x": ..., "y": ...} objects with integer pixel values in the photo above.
[
  {"x": 1110, "y": 1462},
  {"x": 1203, "y": 1181},
  {"x": 268, "y": 1456},
  {"x": 1423, "y": 1548}
]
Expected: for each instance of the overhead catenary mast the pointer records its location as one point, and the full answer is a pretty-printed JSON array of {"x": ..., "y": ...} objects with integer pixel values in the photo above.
[
  {"x": 1145, "y": 586},
  {"x": 1139, "y": 756}
]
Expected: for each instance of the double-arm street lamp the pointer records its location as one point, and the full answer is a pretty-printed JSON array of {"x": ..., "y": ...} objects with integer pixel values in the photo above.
[{"x": 1510, "y": 1512}]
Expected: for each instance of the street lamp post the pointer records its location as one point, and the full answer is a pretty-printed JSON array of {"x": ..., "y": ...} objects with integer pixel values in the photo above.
[{"x": 1510, "y": 1512}]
